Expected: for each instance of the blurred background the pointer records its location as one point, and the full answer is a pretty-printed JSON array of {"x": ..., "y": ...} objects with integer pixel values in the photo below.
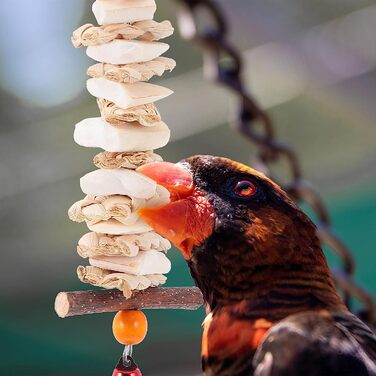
[{"x": 310, "y": 63}]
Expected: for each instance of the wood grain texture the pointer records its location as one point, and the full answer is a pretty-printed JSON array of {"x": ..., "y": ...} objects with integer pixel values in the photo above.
[{"x": 78, "y": 303}]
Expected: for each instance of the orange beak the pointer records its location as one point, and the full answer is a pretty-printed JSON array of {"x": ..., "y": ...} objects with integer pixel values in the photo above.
[{"x": 189, "y": 218}]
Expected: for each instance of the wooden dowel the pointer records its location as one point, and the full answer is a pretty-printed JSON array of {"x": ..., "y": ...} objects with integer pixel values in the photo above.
[{"x": 77, "y": 303}]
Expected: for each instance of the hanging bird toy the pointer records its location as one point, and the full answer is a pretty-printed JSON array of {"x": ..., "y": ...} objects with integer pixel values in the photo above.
[{"x": 123, "y": 251}]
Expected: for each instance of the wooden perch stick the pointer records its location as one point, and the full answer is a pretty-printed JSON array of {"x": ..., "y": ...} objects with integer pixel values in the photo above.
[{"x": 99, "y": 301}]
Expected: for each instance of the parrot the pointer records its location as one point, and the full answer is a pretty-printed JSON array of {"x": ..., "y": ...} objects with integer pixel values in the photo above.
[{"x": 271, "y": 303}]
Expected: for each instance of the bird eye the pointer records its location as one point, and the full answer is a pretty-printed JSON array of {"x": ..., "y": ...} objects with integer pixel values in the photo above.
[{"x": 245, "y": 188}]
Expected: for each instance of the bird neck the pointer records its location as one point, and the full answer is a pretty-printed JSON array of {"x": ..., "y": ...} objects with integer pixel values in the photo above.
[
  {"x": 266, "y": 288},
  {"x": 274, "y": 292},
  {"x": 279, "y": 291}
]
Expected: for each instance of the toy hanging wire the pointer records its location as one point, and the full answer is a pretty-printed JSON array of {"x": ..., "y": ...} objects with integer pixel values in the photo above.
[{"x": 127, "y": 355}]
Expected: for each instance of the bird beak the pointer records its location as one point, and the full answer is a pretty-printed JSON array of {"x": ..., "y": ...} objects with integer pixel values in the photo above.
[{"x": 189, "y": 218}]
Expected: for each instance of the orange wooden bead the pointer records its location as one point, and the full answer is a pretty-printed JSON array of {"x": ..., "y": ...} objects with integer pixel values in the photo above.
[{"x": 130, "y": 327}]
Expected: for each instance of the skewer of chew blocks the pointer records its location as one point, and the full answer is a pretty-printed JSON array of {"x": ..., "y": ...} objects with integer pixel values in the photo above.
[{"x": 129, "y": 129}]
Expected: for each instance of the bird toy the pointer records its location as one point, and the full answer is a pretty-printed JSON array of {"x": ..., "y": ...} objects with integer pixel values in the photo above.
[{"x": 123, "y": 251}]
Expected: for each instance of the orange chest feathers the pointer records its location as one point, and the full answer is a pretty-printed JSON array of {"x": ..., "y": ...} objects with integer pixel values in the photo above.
[{"x": 225, "y": 335}]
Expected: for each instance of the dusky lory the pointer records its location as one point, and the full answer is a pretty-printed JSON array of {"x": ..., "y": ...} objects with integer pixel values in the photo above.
[{"x": 272, "y": 307}]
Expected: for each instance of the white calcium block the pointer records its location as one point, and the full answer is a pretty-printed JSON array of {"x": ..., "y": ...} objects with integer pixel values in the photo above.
[
  {"x": 127, "y": 95},
  {"x": 118, "y": 182},
  {"x": 96, "y": 133},
  {"x": 121, "y": 51},
  {"x": 146, "y": 262},
  {"x": 123, "y": 11},
  {"x": 114, "y": 227}
]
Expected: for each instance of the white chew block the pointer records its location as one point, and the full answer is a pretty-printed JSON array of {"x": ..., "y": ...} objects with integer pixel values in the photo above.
[
  {"x": 123, "y": 11},
  {"x": 114, "y": 227},
  {"x": 127, "y": 95},
  {"x": 146, "y": 262},
  {"x": 121, "y": 51},
  {"x": 96, "y": 133},
  {"x": 118, "y": 182}
]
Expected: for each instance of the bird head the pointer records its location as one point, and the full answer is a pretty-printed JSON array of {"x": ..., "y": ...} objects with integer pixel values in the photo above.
[{"x": 230, "y": 222}]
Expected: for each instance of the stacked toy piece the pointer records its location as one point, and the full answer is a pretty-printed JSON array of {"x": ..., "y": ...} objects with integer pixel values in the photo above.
[{"x": 122, "y": 251}]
